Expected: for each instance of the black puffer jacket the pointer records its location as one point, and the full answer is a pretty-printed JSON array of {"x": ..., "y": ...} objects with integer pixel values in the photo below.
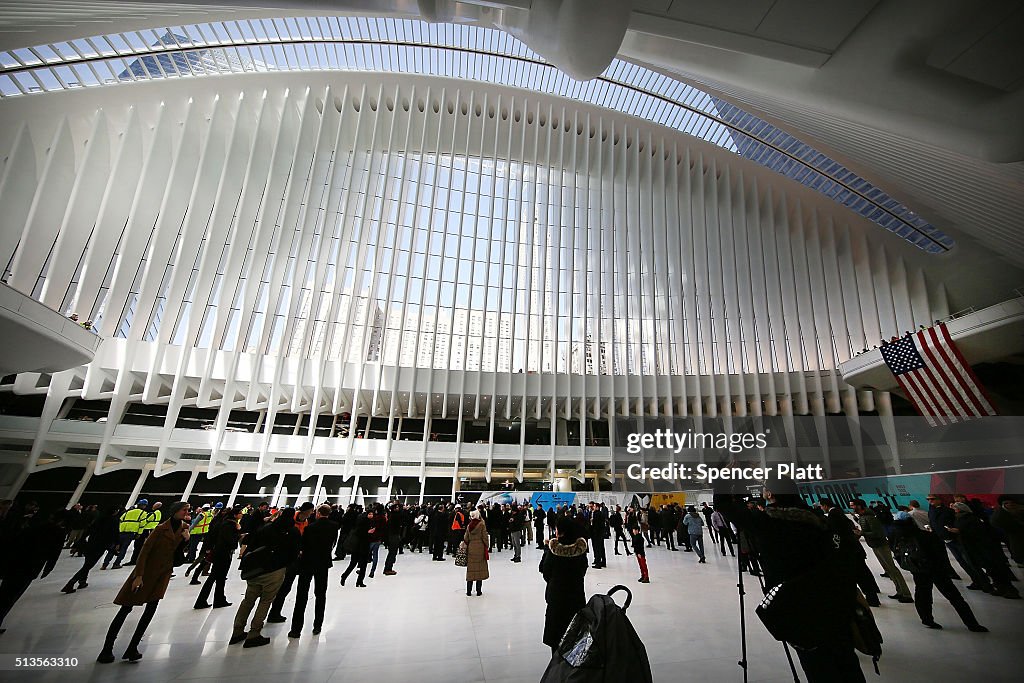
[
  {"x": 791, "y": 541},
  {"x": 563, "y": 567}
]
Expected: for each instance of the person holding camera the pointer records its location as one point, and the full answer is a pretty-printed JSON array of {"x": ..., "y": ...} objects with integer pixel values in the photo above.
[
  {"x": 148, "y": 581},
  {"x": 797, "y": 549}
]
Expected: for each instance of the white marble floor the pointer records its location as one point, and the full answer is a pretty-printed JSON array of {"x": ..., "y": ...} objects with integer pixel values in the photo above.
[{"x": 419, "y": 626}]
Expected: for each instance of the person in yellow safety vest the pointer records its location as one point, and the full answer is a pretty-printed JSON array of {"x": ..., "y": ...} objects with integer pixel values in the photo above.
[
  {"x": 200, "y": 527},
  {"x": 129, "y": 528},
  {"x": 149, "y": 522}
]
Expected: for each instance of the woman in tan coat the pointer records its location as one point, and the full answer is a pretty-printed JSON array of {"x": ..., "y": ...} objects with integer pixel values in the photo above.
[
  {"x": 477, "y": 542},
  {"x": 148, "y": 581}
]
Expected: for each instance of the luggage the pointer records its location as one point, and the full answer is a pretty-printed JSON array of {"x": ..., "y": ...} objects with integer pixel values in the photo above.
[{"x": 600, "y": 646}]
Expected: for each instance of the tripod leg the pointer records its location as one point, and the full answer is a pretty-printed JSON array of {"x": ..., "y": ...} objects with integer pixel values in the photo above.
[{"x": 743, "y": 625}]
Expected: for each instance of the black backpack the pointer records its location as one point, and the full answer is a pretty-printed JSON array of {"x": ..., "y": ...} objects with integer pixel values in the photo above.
[
  {"x": 911, "y": 556},
  {"x": 600, "y": 646}
]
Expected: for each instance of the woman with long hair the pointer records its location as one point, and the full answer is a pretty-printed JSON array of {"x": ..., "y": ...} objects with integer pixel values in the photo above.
[{"x": 147, "y": 583}]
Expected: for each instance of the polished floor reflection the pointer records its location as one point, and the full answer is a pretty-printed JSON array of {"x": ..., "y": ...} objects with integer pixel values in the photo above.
[{"x": 419, "y": 626}]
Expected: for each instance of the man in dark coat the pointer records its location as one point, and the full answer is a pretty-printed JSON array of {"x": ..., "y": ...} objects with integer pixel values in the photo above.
[
  {"x": 220, "y": 545},
  {"x": 101, "y": 535},
  {"x": 929, "y": 567},
  {"x": 791, "y": 540},
  {"x": 539, "y": 520},
  {"x": 395, "y": 529},
  {"x": 314, "y": 562},
  {"x": 851, "y": 550},
  {"x": 31, "y": 546},
  {"x": 564, "y": 564},
  {"x": 437, "y": 529},
  {"x": 598, "y": 531}
]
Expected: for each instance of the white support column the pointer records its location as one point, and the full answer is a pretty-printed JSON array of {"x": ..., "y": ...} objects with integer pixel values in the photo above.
[
  {"x": 318, "y": 497},
  {"x": 14, "y": 488},
  {"x": 191, "y": 484},
  {"x": 274, "y": 500},
  {"x": 234, "y": 489},
  {"x": 355, "y": 490},
  {"x": 883, "y": 401},
  {"x": 138, "y": 488},
  {"x": 90, "y": 469}
]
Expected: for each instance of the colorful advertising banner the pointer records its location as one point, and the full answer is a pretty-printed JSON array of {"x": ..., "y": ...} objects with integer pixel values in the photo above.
[{"x": 985, "y": 484}]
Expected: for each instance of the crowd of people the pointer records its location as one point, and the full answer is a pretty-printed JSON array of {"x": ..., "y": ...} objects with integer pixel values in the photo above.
[{"x": 774, "y": 538}]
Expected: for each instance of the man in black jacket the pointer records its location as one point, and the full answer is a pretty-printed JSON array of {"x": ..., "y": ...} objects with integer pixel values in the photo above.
[
  {"x": 616, "y": 522},
  {"x": 31, "y": 546},
  {"x": 850, "y": 549},
  {"x": 929, "y": 565},
  {"x": 395, "y": 529},
  {"x": 437, "y": 529},
  {"x": 598, "y": 531},
  {"x": 314, "y": 562},
  {"x": 220, "y": 544},
  {"x": 791, "y": 541},
  {"x": 940, "y": 518}
]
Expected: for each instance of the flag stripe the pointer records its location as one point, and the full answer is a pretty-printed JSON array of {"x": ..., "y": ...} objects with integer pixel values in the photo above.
[
  {"x": 942, "y": 360},
  {"x": 970, "y": 379},
  {"x": 935, "y": 392},
  {"x": 905, "y": 383},
  {"x": 947, "y": 374},
  {"x": 923, "y": 397}
]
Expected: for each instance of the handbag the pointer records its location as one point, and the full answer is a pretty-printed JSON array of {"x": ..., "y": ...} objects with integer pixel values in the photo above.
[
  {"x": 254, "y": 562},
  {"x": 350, "y": 543},
  {"x": 462, "y": 555},
  {"x": 791, "y": 610}
]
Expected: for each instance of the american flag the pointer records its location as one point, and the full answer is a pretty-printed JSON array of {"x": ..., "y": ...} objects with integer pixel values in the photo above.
[{"x": 934, "y": 375}]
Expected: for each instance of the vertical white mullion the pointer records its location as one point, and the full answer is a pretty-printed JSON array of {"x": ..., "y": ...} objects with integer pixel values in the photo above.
[
  {"x": 380, "y": 119},
  {"x": 773, "y": 283},
  {"x": 423, "y": 290},
  {"x": 865, "y": 288},
  {"x": 304, "y": 225},
  {"x": 337, "y": 195},
  {"x": 730, "y": 288},
  {"x": 127, "y": 181},
  {"x": 817, "y": 292},
  {"x": 663, "y": 348},
  {"x": 748, "y": 371},
  {"x": 283, "y": 127},
  {"x": 756, "y": 254},
  {"x": 18, "y": 186},
  {"x": 809, "y": 342},
  {"x": 677, "y": 278},
  {"x": 712, "y": 216},
  {"x": 371, "y": 301},
  {"x": 80, "y": 213},
  {"x": 702, "y": 288},
  {"x": 853, "y": 315},
  {"x": 361, "y": 160},
  {"x": 614, "y": 236},
  {"x": 52, "y": 196},
  {"x": 790, "y": 300}
]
